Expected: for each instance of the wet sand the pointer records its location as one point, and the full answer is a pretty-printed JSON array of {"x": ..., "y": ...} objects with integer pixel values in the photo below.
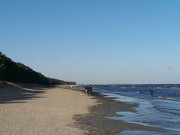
[
  {"x": 59, "y": 111},
  {"x": 96, "y": 123}
]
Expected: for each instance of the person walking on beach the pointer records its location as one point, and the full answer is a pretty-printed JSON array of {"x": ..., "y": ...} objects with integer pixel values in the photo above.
[{"x": 152, "y": 92}]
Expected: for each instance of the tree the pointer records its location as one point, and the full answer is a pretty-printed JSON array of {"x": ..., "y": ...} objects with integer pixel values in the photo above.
[{"x": 20, "y": 73}]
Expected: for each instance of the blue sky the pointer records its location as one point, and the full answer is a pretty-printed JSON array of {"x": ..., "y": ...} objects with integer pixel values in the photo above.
[{"x": 94, "y": 41}]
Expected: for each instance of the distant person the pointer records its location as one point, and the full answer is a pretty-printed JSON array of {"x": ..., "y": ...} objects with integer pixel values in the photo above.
[
  {"x": 152, "y": 92},
  {"x": 88, "y": 89}
]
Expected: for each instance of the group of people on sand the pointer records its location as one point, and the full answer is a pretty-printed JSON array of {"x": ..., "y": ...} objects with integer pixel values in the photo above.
[{"x": 88, "y": 89}]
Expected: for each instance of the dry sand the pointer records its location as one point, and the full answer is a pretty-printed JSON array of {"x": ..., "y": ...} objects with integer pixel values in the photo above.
[
  {"x": 41, "y": 111},
  {"x": 58, "y": 111}
]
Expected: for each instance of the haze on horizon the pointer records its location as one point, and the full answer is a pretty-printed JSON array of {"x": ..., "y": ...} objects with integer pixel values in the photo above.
[{"x": 94, "y": 42}]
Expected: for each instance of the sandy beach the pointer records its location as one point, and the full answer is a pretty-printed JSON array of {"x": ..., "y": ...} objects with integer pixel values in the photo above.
[
  {"x": 58, "y": 111},
  {"x": 97, "y": 123},
  {"x": 41, "y": 111}
]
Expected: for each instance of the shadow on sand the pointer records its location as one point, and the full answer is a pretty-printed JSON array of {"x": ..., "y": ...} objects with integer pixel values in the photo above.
[{"x": 10, "y": 94}]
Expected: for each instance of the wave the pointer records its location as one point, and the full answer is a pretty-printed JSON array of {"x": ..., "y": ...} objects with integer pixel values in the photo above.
[{"x": 169, "y": 98}]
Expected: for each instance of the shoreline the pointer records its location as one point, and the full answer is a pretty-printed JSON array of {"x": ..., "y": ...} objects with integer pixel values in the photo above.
[
  {"x": 96, "y": 123},
  {"x": 59, "y": 110}
]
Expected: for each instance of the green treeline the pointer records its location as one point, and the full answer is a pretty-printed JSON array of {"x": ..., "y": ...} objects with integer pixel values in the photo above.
[{"x": 20, "y": 73}]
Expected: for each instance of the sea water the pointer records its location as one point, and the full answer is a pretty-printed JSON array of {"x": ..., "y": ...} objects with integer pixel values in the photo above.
[{"x": 162, "y": 110}]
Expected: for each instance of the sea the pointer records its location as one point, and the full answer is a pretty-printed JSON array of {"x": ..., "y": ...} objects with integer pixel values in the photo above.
[{"x": 162, "y": 110}]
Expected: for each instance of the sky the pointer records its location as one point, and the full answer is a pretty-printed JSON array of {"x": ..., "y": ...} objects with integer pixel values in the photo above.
[{"x": 94, "y": 41}]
